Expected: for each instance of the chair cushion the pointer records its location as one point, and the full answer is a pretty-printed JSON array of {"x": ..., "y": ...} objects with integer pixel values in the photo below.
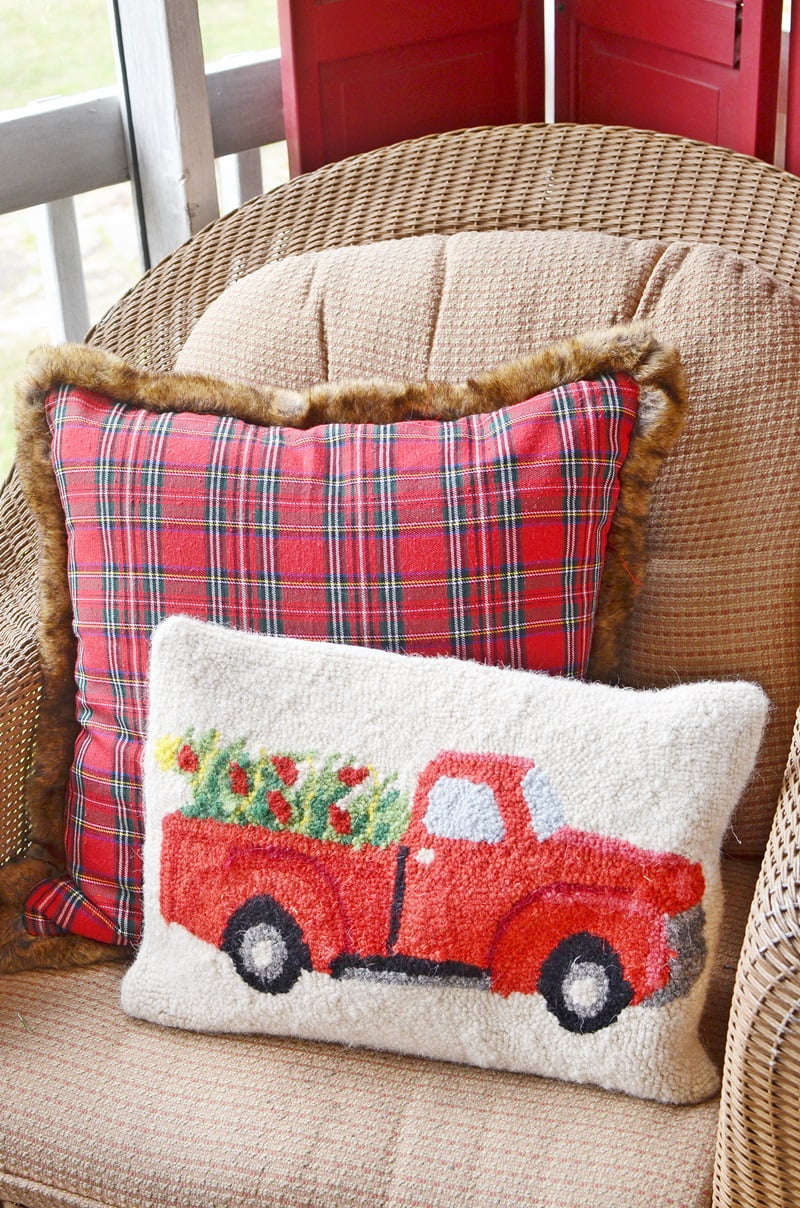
[
  {"x": 106, "y": 1110},
  {"x": 478, "y": 528},
  {"x": 719, "y": 599}
]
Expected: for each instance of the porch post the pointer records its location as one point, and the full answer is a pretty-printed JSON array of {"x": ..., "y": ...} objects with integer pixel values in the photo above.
[{"x": 163, "y": 82}]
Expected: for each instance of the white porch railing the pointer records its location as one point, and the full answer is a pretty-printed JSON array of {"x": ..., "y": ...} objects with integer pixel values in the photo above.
[{"x": 161, "y": 129}]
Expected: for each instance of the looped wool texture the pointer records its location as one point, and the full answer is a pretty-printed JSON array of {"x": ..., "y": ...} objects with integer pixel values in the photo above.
[{"x": 436, "y": 857}]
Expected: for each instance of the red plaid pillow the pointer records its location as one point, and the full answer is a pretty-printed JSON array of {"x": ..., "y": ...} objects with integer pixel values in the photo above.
[{"x": 481, "y": 537}]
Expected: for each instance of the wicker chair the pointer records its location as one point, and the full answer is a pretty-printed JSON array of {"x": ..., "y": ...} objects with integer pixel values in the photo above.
[{"x": 617, "y": 181}]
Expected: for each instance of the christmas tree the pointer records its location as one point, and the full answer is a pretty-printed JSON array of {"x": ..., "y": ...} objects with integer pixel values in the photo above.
[{"x": 323, "y": 796}]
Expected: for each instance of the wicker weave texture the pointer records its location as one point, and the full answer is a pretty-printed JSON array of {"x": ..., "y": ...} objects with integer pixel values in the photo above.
[
  {"x": 611, "y": 179},
  {"x": 618, "y": 181},
  {"x": 18, "y": 664},
  {"x": 758, "y": 1155}
]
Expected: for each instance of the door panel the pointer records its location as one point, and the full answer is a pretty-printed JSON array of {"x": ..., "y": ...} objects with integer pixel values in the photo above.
[
  {"x": 359, "y": 74},
  {"x": 702, "y": 29},
  {"x": 624, "y": 83},
  {"x": 706, "y": 69},
  {"x": 344, "y": 29},
  {"x": 473, "y": 85}
]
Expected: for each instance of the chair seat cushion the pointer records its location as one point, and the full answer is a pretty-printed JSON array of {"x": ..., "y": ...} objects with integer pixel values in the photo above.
[
  {"x": 107, "y": 1110},
  {"x": 719, "y": 597}
]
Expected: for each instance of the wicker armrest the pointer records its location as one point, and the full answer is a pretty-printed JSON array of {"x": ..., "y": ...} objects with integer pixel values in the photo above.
[
  {"x": 19, "y": 671},
  {"x": 38, "y": 840},
  {"x": 758, "y": 1148}
]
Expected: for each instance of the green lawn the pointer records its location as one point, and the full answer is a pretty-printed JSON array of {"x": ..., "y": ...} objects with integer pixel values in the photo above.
[{"x": 60, "y": 47}]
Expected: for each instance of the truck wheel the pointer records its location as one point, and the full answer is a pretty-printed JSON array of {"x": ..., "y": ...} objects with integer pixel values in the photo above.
[
  {"x": 583, "y": 984},
  {"x": 266, "y": 945}
]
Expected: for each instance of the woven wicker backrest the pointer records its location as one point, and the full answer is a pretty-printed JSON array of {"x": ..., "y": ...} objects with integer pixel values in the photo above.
[
  {"x": 616, "y": 180},
  {"x": 612, "y": 179}
]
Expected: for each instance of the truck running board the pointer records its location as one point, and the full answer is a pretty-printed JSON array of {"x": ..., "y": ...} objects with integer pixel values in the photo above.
[{"x": 409, "y": 969}]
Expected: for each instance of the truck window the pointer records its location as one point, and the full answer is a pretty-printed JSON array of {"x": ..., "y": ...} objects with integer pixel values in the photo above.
[
  {"x": 547, "y": 812},
  {"x": 459, "y": 808}
]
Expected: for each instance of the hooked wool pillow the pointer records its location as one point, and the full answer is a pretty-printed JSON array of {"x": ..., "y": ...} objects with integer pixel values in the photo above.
[{"x": 436, "y": 857}]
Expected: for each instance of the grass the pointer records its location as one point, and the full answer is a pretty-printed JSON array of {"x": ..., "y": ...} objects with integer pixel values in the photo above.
[{"x": 60, "y": 47}]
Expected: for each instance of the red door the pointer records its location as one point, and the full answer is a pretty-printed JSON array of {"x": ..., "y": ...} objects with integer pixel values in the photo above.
[
  {"x": 707, "y": 69},
  {"x": 791, "y": 99},
  {"x": 359, "y": 74}
]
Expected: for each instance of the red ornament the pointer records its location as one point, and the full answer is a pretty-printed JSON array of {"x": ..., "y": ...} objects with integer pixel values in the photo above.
[
  {"x": 279, "y": 806},
  {"x": 340, "y": 820},
  {"x": 187, "y": 760},
  {"x": 353, "y": 776},
  {"x": 240, "y": 783},
  {"x": 286, "y": 768}
]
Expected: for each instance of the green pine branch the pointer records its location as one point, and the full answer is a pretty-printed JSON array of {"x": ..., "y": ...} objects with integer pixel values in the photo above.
[{"x": 327, "y": 797}]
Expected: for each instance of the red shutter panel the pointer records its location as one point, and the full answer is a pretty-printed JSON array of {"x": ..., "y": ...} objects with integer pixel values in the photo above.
[
  {"x": 706, "y": 69},
  {"x": 359, "y": 74},
  {"x": 792, "y": 97}
]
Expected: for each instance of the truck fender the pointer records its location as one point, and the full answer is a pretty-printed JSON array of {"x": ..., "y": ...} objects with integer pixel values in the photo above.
[
  {"x": 534, "y": 929},
  {"x": 304, "y": 889}
]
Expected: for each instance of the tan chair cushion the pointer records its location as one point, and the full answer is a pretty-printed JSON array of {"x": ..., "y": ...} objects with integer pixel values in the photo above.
[
  {"x": 720, "y": 592},
  {"x": 739, "y": 878},
  {"x": 98, "y": 1109}
]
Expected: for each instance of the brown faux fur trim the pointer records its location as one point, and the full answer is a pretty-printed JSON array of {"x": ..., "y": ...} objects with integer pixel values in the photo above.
[
  {"x": 630, "y": 348},
  {"x": 18, "y": 949}
]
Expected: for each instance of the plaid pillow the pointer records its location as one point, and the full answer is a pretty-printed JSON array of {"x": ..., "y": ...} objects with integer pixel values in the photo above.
[{"x": 481, "y": 537}]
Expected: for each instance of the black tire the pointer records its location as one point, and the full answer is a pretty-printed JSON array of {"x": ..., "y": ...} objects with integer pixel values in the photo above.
[
  {"x": 587, "y": 963},
  {"x": 266, "y": 945}
]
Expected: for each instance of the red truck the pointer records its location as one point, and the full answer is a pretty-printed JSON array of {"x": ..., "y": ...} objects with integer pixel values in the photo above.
[{"x": 485, "y": 886}]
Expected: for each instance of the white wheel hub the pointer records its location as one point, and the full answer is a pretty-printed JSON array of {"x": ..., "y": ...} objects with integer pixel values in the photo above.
[
  {"x": 585, "y": 989},
  {"x": 264, "y": 951}
]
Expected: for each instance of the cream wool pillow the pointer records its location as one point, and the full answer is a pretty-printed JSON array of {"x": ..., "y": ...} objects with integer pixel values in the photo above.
[{"x": 436, "y": 857}]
